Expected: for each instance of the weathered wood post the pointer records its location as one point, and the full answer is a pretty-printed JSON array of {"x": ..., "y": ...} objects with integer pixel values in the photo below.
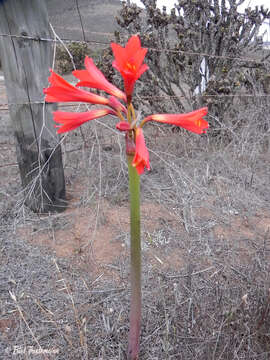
[{"x": 26, "y": 64}]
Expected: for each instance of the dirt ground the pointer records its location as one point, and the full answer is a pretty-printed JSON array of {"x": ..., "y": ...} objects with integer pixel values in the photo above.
[{"x": 64, "y": 280}]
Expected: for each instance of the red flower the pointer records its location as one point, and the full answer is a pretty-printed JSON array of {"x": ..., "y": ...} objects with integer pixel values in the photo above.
[
  {"x": 123, "y": 126},
  {"x": 61, "y": 91},
  {"x": 141, "y": 157},
  {"x": 92, "y": 77},
  {"x": 69, "y": 120},
  {"x": 192, "y": 121},
  {"x": 129, "y": 62},
  {"x": 117, "y": 105}
]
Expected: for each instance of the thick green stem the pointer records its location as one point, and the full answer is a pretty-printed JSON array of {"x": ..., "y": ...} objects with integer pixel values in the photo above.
[{"x": 135, "y": 256}]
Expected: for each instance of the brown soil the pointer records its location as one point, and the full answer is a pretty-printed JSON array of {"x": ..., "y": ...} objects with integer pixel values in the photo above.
[{"x": 98, "y": 241}]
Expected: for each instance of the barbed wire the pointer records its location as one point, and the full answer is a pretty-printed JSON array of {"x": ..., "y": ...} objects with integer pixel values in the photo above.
[
  {"x": 239, "y": 95},
  {"x": 190, "y": 53},
  {"x": 5, "y": 106},
  {"x": 38, "y": 38}
]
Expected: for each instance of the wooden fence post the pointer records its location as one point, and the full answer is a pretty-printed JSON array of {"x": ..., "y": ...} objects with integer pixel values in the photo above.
[{"x": 26, "y": 64}]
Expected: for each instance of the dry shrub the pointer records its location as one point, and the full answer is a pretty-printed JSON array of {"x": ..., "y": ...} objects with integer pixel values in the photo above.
[
  {"x": 65, "y": 60},
  {"x": 202, "y": 53}
]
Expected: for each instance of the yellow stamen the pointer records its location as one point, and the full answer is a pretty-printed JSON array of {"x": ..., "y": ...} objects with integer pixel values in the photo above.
[
  {"x": 121, "y": 117},
  {"x": 131, "y": 67},
  {"x": 133, "y": 112}
]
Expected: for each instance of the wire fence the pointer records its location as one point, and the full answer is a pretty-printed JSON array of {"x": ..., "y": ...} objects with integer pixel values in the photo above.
[
  {"x": 110, "y": 36},
  {"x": 190, "y": 53},
  {"x": 4, "y": 106}
]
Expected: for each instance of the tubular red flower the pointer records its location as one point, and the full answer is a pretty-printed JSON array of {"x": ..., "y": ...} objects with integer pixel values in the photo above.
[
  {"x": 141, "y": 157},
  {"x": 116, "y": 104},
  {"x": 71, "y": 120},
  {"x": 61, "y": 91},
  {"x": 92, "y": 77},
  {"x": 129, "y": 62},
  {"x": 123, "y": 126},
  {"x": 192, "y": 121}
]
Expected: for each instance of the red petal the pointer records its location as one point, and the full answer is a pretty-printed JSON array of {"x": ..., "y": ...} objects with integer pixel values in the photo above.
[
  {"x": 135, "y": 51},
  {"x": 93, "y": 77},
  {"x": 141, "y": 157},
  {"x": 61, "y": 91},
  {"x": 128, "y": 61},
  {"x": 139, "y": 56},
  {"x": 133, "y": 44},
  {"x": 123, "y": 126},
  {"x": 192, "y": 121},
  {"x": 129, "y": 85},
  {"x": 142, "y": 69},
  {"x": 71, "y": 120},
  {"x": 115, "y": 104},
  {"x": 120, "y": 55}
]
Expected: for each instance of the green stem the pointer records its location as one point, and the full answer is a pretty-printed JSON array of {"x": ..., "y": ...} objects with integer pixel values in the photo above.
[
  {"x": 135, "y": 257},
  {"x": 121, "y": 117}
]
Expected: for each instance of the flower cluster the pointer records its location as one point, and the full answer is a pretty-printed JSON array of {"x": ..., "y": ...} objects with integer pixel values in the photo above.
[{"x": 129, "y": 62}]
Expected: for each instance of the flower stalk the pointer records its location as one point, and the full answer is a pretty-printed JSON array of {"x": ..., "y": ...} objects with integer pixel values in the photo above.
[
  {"x": 129, "y": 62},
  {"x": 135, "y": 258}
]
